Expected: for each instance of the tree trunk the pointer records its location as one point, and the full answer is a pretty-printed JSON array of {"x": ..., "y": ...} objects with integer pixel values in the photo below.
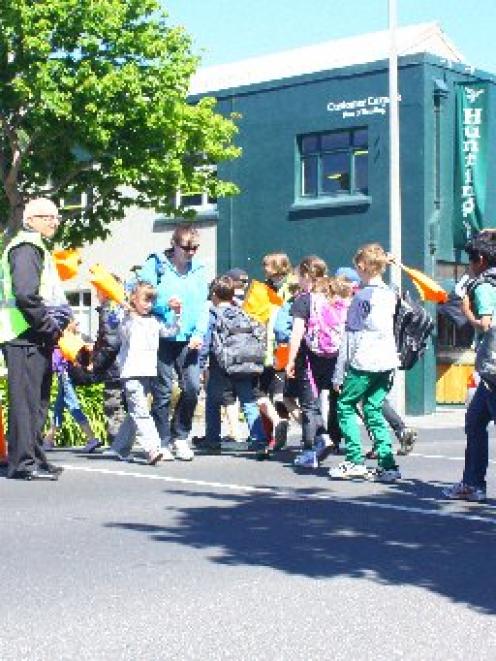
[{"x": 16, "y": 204}]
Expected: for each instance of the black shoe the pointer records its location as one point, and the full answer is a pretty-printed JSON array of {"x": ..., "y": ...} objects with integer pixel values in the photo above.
[
  {"x": 281, "y": 434},
  {"x": 52, "y": 468},
  {"x": 35, "y": 474},
  {"x": 208, "y": 448}
]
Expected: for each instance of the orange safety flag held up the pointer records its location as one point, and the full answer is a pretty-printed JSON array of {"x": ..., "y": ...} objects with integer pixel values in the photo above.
[
  {"x": 428, "y": 288},
  {"x": 105, "y": 282},
  {"x": 259, "y": 300},
  {"x": 67, "y": 262}
]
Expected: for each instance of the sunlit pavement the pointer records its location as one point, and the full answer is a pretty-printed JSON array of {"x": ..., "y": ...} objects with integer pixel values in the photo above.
[{"x": 231, "y": 558}]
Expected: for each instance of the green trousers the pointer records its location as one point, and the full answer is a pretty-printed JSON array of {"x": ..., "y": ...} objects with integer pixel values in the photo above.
[{"x": 370, "y": 388}]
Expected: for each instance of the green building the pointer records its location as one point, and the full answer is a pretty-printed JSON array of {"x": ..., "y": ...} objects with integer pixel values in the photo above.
[{"x": 314, "y": 174}]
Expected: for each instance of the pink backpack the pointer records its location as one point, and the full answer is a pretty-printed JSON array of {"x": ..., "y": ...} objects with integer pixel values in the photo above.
[{"x": 325, "y": 325}]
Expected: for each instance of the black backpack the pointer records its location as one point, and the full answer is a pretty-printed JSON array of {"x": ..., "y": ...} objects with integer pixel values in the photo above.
[
  {"x": 412, "y": 328},
  {"x": 238, "y": 342},
  {"x": 485, "y": 358}
]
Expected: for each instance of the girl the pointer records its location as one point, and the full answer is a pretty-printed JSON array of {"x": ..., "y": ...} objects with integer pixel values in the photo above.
[
  {"x": 305, "y": 365},
  {"x": 278, "y": 276},
  {"x": 137, "y": 360}
]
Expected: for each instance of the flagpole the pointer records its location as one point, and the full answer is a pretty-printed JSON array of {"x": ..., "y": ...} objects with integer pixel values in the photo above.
[
  {"x": 394, "y": 181},
  {"x": 394, "y": 149}
]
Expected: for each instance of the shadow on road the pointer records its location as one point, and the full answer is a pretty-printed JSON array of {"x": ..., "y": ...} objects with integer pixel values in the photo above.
[{"x": 305, "y": 534}]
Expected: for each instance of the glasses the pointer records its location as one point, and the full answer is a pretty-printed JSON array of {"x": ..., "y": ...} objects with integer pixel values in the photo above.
[
  {"x": 189, "y": 248},
  {"x": 47, "y": 216}
]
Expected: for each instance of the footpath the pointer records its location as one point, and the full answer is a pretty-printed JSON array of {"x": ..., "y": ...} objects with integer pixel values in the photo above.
[{"x": 445, "y": 417}]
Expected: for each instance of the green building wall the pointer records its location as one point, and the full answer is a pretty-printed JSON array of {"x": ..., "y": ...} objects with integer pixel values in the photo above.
[{"x": 268, "y": 217}]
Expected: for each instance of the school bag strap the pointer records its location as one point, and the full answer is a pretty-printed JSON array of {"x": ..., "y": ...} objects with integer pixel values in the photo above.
[
  {"x": 488, "y": 277},
  {"x": 159, "y": 259}
]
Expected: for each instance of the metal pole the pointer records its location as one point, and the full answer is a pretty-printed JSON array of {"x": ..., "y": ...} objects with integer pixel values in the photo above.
[
  {"x": 398, "y": 394},
  {"x": 394, "y": 149}
]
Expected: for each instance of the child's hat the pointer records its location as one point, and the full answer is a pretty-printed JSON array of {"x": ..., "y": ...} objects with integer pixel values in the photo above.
[
  {"x": 237, "y": 274},
  {"x": 348, "y": 273}
]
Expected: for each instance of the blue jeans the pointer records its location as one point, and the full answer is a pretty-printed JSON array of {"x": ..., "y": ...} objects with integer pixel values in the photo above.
[
  {"x": 243, "y": 388},
  {"x": 175, "y": 357},
  {"x": 67, "y": 399},
  {"x": 481, "y": 411}
]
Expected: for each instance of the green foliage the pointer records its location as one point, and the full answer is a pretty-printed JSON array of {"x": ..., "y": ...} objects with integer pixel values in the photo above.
[
  {"x": 93, "y": 97},
  {"x": 91, "y": 399}
]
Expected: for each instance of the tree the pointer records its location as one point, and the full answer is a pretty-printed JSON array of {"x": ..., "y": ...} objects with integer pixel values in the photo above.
[{"x": 94, "y": 97}]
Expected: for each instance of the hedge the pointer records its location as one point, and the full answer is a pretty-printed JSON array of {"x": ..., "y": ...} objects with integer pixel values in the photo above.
[{"x": 70, "y": 435}]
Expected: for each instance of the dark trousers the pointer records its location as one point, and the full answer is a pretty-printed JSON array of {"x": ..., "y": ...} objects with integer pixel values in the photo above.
[
  {"x": 29, "y": 381},
  {"x": 314, "y": 374},
  {"x": 114, "y": 408},
  {"x": 481, "y": 411},
  {"x": 393, "y": 419},
  {"x": 175, "y": 357}
]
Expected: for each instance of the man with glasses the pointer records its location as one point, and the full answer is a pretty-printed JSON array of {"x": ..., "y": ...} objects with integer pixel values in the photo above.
[
  {"x": 30, "y": 293},
  {"x": 178, "y": 276}
]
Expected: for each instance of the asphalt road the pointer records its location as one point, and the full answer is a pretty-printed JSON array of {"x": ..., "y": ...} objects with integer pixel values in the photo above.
[{"x": 229, "y": 558}]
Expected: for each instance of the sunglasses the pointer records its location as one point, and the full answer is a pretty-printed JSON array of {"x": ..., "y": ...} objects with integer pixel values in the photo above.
[{"x": 189, "y": 248}]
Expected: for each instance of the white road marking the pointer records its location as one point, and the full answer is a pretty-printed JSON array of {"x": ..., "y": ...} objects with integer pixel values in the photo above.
[
  {"x": 288, "y": 493},
  {"x": 441, "y": 456}
]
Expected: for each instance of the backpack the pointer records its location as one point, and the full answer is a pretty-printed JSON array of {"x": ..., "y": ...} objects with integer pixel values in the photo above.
[
  {"x": 412, "y": 327},
  {"x": 485, "y": 357},
  {"x": 325, "y": 325},
  {"x": 238, "y": 343}
]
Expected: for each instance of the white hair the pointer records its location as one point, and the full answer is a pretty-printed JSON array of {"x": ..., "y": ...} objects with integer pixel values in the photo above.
[{"x": 40, "y": 206}]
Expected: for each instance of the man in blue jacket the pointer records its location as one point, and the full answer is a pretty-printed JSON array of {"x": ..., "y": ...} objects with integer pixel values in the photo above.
[{"x": 177, "y": 275}]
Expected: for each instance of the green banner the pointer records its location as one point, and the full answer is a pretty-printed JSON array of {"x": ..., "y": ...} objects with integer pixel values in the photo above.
[{"x": 471, "y": 166}]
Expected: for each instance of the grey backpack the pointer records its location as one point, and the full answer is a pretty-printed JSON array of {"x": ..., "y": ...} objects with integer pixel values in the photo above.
[{"x": 238, "y": 343}]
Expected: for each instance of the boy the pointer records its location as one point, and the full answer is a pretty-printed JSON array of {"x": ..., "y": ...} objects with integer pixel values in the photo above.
[
  {"x": 226, "y": 312},
  {"x": 369, "y": 356},
  {"x": 479, "y": 306}
]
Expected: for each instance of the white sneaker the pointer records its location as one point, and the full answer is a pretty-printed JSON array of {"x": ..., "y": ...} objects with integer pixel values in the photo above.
[
  {"x": 386, "y": 474},
  {"x": 182, "y": 450},
  {"x": 307, "y": 459},
  {"x": 349, "y": 470},
  {"x": 166, "y": 454}
]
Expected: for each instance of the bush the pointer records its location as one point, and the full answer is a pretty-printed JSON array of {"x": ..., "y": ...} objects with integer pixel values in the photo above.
[{"x": 70, "y": 435}]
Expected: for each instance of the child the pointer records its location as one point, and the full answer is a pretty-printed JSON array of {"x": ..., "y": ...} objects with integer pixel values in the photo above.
[
  {"x": 338, "y": 292},
  {"x": 67, "y": 398},
  {"x": 365, "y": 367},
  {"x": 225, "y": 311},
  {"x": 231, "y": 404},
  {"x": 479, "y": 306},
  {"x": 104, "y": 365},
  {"x": 278, "y": 275},
  {"x": 305, "y": 365},
  {"x": 137, "y": 360}
]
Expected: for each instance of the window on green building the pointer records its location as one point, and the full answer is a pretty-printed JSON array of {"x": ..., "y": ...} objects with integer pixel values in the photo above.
[{"x": 334, "y": 163}]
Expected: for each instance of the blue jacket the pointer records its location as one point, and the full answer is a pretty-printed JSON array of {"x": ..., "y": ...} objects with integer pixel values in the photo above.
[{"x": 191, "y": 288}]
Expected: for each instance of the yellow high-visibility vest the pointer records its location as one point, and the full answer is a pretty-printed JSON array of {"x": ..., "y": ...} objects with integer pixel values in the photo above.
[{"x": 12, "y": 321}]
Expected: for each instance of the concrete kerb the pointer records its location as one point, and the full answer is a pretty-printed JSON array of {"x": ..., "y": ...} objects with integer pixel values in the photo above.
[{"x": 443, "y": 418}]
